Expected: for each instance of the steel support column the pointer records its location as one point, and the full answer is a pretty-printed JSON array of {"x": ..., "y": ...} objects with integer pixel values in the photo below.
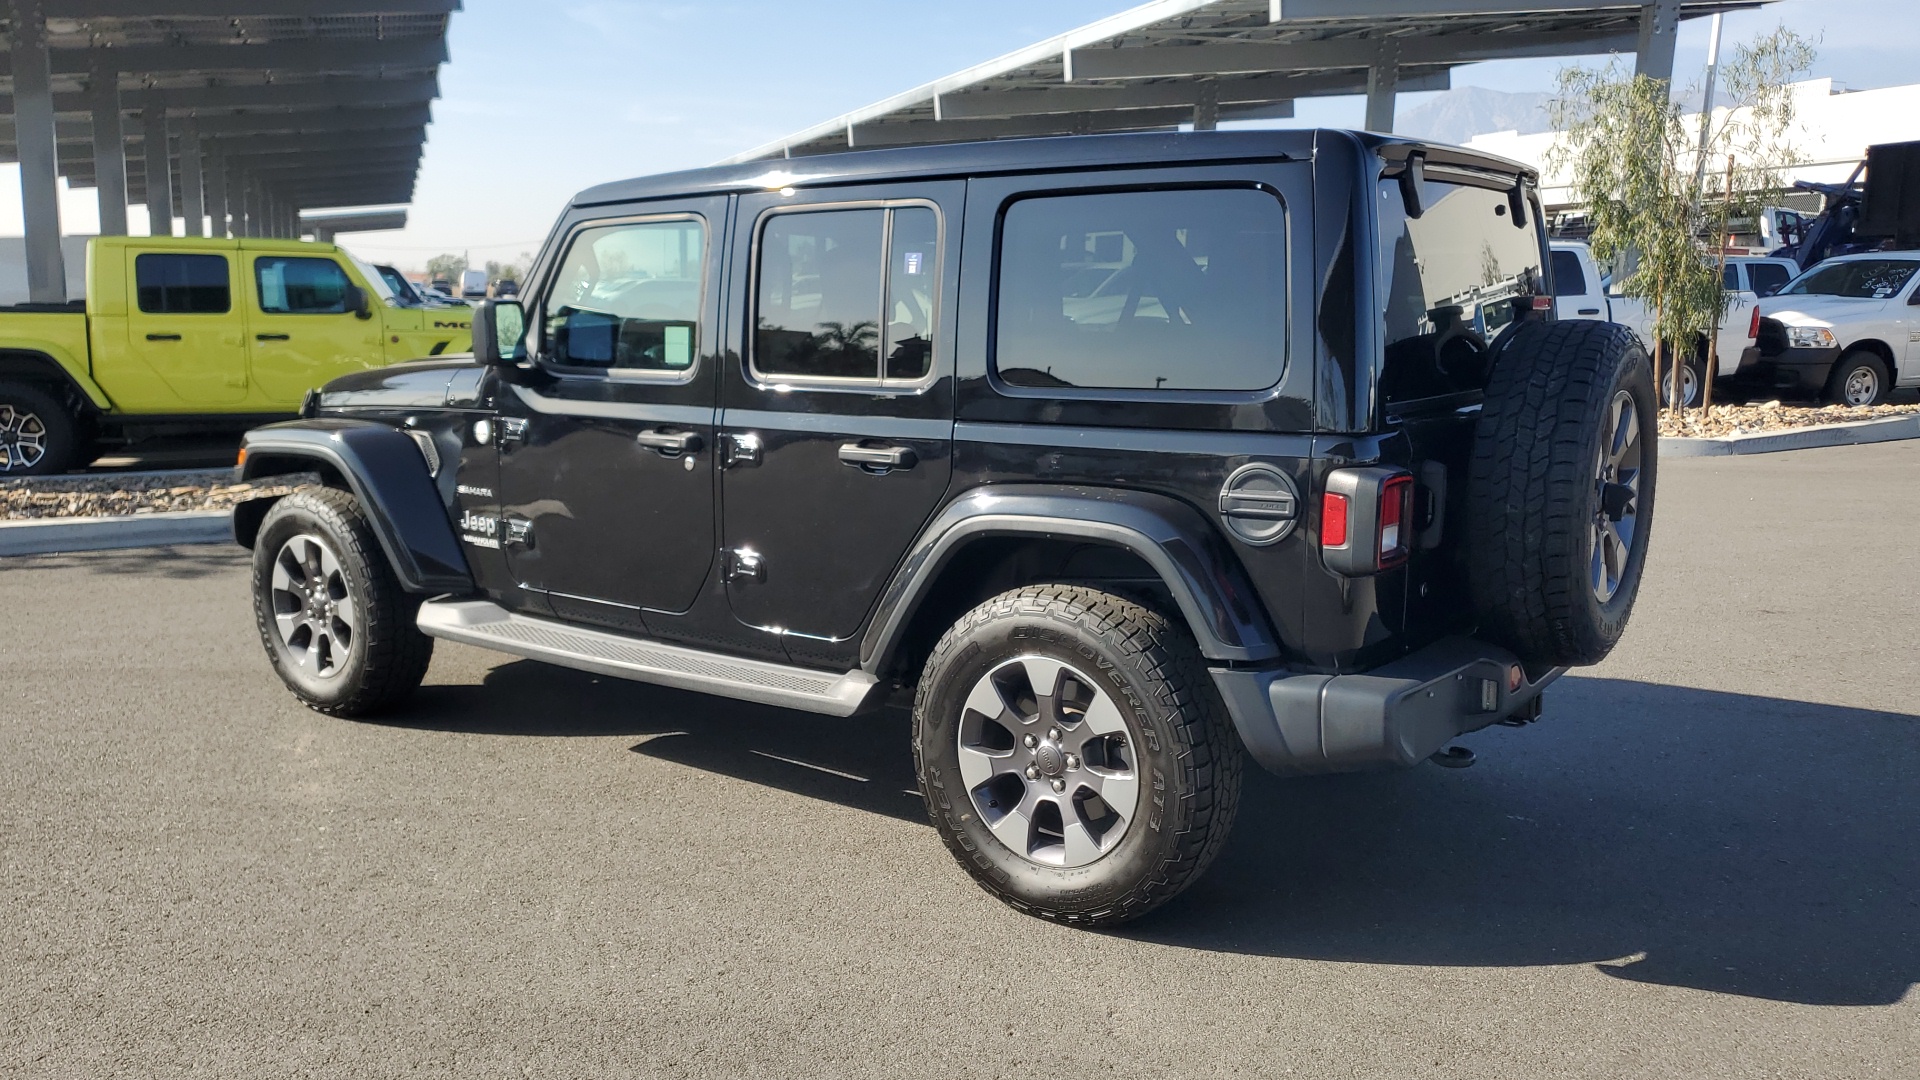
[
  {"x": 193, "y": 195},
  {"x": 1383, "y": 85},
  {"x": 109, "y": 145},
  {"x": 153, "y": 133},
  {"x": 1206, "y": 107},
  {"x": 216, "y": 194},
  {"x": 38, "y": 153},
  {"x": 1659, "y": 29}
]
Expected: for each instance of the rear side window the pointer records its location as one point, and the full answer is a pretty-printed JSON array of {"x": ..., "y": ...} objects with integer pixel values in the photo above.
[
  {"x": 847, "y": 294},
  {"x": 1767, "y": 278},
  {"x": 297, "y": 285},
  {"x": 1177, "y": 290},
  {"x": 1449, "y": 281},
  {"x": 182, "y": 284},
  {"x": 628, "y": 297},
  {"x": 1568, "y": 277}
]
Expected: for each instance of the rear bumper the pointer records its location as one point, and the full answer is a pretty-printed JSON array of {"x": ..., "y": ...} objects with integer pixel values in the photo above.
[{"x": 1394, "y": 716}]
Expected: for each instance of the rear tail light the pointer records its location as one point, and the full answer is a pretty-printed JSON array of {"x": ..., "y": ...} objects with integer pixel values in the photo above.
[
  {"x": 1753, "y": 324},
  {"x": 1366, "y": 520}
]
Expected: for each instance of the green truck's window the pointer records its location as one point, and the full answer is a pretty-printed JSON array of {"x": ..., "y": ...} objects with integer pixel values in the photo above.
[
  {"x": 182, "y": 284},
  {"x": 628, "y": 297},
  {"x": 293, "y": 285}
]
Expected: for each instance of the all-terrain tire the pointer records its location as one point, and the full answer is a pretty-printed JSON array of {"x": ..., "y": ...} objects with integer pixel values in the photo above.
[
  {"x": 1537, "y": 504},
  {"x": 384, "y": 656},
  {"x": 38, "y": 435},
  {"x": 1187, "y": 757}
]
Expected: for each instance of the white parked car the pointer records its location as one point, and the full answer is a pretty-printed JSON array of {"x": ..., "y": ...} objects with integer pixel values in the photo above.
[
  {"x": 1761, "y": 275},
  {"x": 1579, "y": 293},
  {"x": 1848, "y": 329}
]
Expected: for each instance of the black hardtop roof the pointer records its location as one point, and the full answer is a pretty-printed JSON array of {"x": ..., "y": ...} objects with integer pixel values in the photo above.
[{"x": 1007, "y": 155}]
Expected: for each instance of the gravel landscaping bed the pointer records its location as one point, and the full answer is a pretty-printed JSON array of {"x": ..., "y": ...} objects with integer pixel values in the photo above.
[
  {"x": 105, "y": 495},
  {"x": 1719, "y": 421}
]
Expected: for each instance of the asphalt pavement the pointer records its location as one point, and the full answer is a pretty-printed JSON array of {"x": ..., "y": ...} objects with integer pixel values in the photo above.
[{"x": 1704, "y": 861}]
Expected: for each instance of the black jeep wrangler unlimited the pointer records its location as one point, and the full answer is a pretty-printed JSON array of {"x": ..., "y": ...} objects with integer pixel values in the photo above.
[{"x": 1121, "y": 454}]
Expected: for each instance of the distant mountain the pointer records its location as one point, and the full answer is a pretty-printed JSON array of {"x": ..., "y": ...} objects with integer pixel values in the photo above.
[{"x": 1461, "y": 113}]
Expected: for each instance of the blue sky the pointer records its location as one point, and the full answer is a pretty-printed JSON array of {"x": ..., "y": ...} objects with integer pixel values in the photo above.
[{"x": 541, "y": 100}]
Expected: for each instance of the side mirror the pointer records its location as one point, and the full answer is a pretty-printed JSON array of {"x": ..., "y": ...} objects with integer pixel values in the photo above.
[
  {"x": 497, "y": 327},
  {"x": 358, "y": 303}
]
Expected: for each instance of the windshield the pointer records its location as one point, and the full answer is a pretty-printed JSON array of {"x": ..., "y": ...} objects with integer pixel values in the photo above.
[
  {"x": 375, "y": 280},
  {"x": 1862, "y": 279}
]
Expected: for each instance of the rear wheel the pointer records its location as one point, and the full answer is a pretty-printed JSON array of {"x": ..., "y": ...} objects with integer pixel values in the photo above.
[
  {"x": 1859, "y": 378},
  {"x": 336, "y": 624},
  {"x": 1074, "y": 755},
  {"x": 38, "y": 435}
]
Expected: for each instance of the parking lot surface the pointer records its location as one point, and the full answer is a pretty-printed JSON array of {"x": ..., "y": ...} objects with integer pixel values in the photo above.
[{"x": 1704, "y": 861}]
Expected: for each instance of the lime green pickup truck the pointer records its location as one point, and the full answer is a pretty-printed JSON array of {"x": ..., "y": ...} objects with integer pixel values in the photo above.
[{"x": 195, "y": 335}]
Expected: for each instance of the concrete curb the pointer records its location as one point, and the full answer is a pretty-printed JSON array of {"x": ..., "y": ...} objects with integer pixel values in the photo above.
[
  {"x": 1884, "y": 429},
  {"x": 46, "y": 536}
]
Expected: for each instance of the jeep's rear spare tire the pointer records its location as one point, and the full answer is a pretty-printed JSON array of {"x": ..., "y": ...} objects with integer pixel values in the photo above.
[{"x": 1560, "y": 490}]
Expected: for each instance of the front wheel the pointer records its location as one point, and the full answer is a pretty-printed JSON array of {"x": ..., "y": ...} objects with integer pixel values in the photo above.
[
  {"x": 336, "y": 624},
  {"x": 1074, "y": 754},
  {"x": 1860, "y": 378}
]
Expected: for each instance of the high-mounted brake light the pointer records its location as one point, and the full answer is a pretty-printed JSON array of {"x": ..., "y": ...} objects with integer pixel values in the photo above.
[{"x": 1366, "y": 520}]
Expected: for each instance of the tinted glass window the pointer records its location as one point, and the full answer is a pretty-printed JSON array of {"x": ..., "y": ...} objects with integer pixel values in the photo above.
[
  {"x": 1767, "y": 278},
  {"x": 182, "y": 284},
  {"x": 910, "y": 292},
  {"x": 1452, "y": 275},
  {"x": 1143, "y": 290},
  {"x": 1729, "y": 275},
  {"x": 819, "y": 295},
  {"x": 1568, "y": 277},
  {"x": 628, "y": 297},
  {"x": 301, "y": 286},
  {"x": 1864, "y": 279}
]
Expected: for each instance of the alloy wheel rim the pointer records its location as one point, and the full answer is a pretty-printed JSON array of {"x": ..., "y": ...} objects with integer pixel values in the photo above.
[
  {"x": 313, "y": 612},
  {"x": 1862, "y": 386},
  {"x": 1616, "y": 517},
  {"x": 1048, "y": 762},
  {"x": 23, "y": 438}
]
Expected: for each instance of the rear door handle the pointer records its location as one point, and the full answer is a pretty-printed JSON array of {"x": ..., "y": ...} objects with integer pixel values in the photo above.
[
  {"x": 669, "y": 443},
  {"x": 163, "y": 337},
  {"x": 272, "y": 337},
  {"x": 1589, "y": 311},
  {"x": 877, "y": 458}
]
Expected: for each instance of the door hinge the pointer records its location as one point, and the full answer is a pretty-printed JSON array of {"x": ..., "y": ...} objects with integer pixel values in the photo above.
[
  {"x": 739, "y": 448},
  {"x": 519, "y": 532},
  {"x": 513, "y": 429},
  {"x": 746, "y": 564}
]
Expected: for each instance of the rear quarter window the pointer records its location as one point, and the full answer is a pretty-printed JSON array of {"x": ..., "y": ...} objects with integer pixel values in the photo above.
[{"x": 1176, "y": 290}]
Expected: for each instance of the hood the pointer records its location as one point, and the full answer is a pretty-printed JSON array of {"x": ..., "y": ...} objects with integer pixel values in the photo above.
[
  {"x": 416, "y": 384},
  {"x": 1820, "y": 310}
]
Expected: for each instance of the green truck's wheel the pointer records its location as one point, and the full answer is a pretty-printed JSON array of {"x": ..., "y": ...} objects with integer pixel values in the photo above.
[{"x": 37, "y": 434}]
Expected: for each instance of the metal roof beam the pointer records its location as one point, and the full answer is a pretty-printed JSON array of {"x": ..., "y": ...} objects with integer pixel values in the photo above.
[
  {"x": 1300, "y": 10},
  {"x": 230, "y": 9},
  {"x": 1077, "y": 98},
  {"x": 205, "y": 100},
  {"x": 1172, "y": 61},
  {"x": 916, "y": 132},
  {"x": 414, "y": 116},
  {"x": 403, "y": 53}
]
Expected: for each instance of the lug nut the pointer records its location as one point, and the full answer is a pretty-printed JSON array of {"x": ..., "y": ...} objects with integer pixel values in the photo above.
[
  {"x": 1059, "y": 785},
  {"x": 1032, "y": 742},
  {"x": 1033, "y": 772},
  {"x": 1072, "y": 762},
  {"x": 1053, "y": 734}
]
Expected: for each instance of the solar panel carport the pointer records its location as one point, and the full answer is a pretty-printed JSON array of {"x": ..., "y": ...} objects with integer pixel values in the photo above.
[
  {"x": 232, "y": 115},
  {"x": 1174, "y": 62}
]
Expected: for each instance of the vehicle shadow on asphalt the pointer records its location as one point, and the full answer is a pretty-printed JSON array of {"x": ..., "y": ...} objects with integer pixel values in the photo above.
[
  {"x": 1724, "y": 842},
  {"x": 865, "y": 762},
  {"x": 186, "y": 562}
]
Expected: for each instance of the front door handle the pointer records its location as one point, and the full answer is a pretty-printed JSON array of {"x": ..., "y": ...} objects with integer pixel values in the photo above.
[
  {"x": 163, "y": 337},
  {"x": 877, "y": 458},
  {"x": 1589, "y": 311},
  {"x": 669, "y": 443},
  {"x": 272, "y": 337}
]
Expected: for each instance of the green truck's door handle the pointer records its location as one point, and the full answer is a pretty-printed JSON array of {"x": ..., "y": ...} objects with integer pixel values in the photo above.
[
  {"x": 163, "y": 337},
  {"x": 270, "y": 337}
]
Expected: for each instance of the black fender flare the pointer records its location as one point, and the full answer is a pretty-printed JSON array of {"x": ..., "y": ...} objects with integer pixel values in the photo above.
[
  {"x": 386, "y": 472},
  {"x": 1184, "y": 549}
]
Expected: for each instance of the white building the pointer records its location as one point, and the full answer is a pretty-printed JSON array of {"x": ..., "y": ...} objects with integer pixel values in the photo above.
[{"x": 1834, "y": 127}]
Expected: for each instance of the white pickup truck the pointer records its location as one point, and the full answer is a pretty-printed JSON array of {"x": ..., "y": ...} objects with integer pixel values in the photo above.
[
  {"x": 1579, "y": 294},
  {"x": 1848, "y": 329}
]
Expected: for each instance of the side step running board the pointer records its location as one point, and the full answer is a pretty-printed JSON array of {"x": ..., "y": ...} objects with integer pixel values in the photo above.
[{"x": 478, "y": 622}]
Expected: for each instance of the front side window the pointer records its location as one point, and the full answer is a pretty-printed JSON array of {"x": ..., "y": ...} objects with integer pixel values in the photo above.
[
  {"x": 1861, "y": 279},
  {"x": 1143, "y": 290},
  {"x": 300, "y": 285},
  {"x": 627, "y": 297},
  {"x": 182, "y": 284},
  {"x": 847, "y": 294},
  {"x": 1450, "y": 280}
]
